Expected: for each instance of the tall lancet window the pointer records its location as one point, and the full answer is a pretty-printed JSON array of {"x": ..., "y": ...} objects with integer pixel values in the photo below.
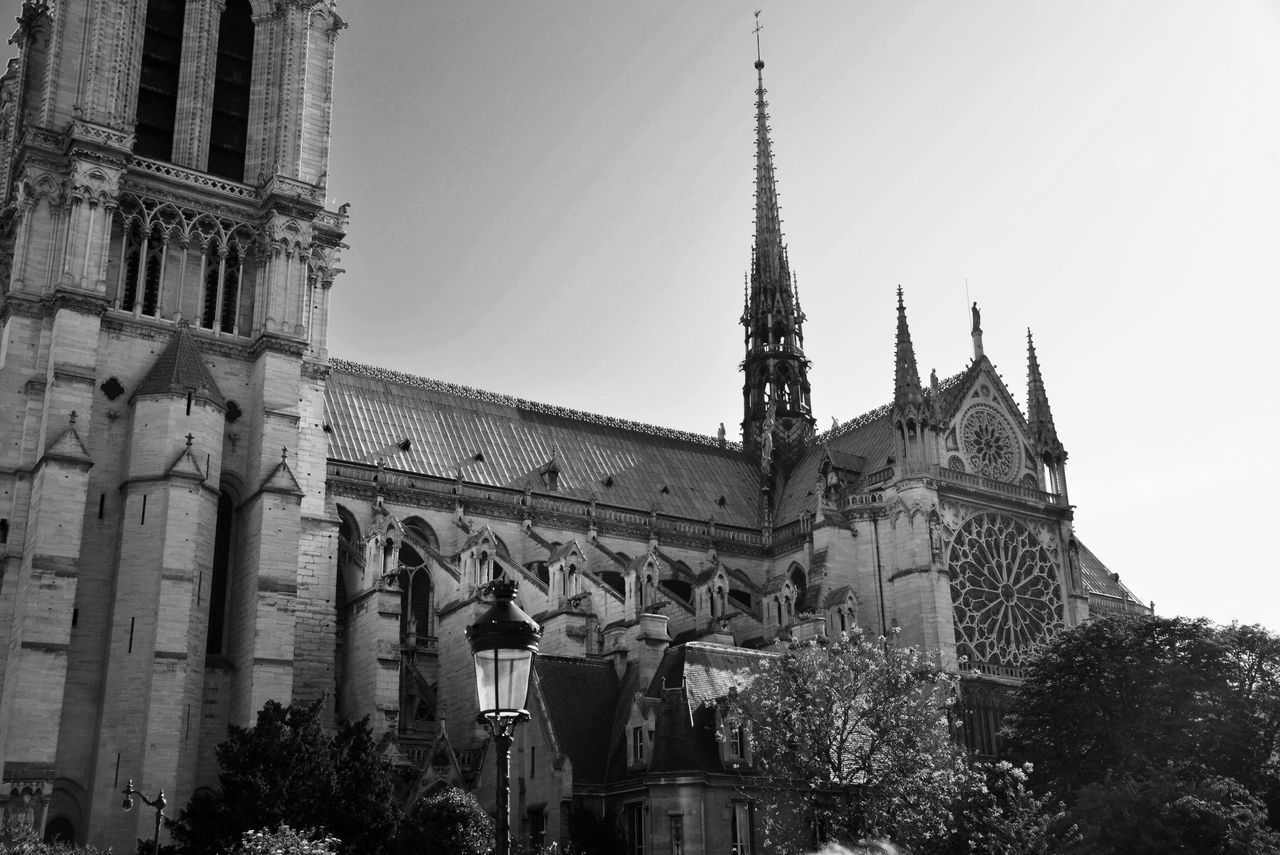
[
  {"x": 230, "y": 126},
  {"x": 223, "y": 272},
  {"x": 215, "y": 642},
  {"x": 142, "y": 271},
  {"x": 158, "y": 79}
]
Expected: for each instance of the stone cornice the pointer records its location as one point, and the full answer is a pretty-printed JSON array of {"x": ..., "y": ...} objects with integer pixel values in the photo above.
[{"x": 276, "y": 343}]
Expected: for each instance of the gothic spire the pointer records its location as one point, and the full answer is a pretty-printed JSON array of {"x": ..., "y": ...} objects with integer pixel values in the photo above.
[
  {"x": 776, "y": 388},
  {"x": 908, "y": 400},
  {"x": 1039, "y": 418}
]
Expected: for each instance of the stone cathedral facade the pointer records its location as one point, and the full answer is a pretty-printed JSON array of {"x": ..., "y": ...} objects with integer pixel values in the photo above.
[{"x": 201, "y": 510}]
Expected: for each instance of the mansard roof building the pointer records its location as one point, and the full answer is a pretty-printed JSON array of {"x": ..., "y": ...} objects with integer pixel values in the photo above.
[{"x": 205, "y": 511}]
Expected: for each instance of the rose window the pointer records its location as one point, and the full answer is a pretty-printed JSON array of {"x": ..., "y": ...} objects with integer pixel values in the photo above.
[
  {"x": 1004, "y": 591},
  {"x": 989, "y": 442}
]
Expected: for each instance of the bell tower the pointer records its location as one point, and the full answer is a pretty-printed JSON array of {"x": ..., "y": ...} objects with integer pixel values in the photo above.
[
  {"x": 777, "y": 417},
  {"x": 166, "y": 257}
]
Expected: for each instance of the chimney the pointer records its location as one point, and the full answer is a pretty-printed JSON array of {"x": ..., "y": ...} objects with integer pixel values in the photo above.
[
  {"x": 651, "y": 643},
  {"x": 565, "y": 631},
  {"x": 615, "y": 647},
  {"x": 809, "y": 629}
]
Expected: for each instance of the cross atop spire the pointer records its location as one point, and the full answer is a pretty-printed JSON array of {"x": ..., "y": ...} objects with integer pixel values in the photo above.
[{"x": 759, "y": 27}]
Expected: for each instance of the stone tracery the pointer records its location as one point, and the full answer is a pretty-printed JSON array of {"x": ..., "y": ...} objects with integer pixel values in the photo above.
[
  {"x": 989, "y": 442},
  {"x": 1004, "y": 590}
]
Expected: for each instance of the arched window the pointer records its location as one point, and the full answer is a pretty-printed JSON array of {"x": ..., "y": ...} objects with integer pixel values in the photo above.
[
  {"x": 59, "y": 830},
  {"x": 231, "y": 290},
  {"x": 129, "y": 270},
  {"x": 215, "y": 643},
  {"x": 156, "y": 247},
  {"x": 230, "y": 127},
  {"x": 157, "y": 109},
  {"x": 796, "y": 575},
  {"x": 212, "y": 281}
]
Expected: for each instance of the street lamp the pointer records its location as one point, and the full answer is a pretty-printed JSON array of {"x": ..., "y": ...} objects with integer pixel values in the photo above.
[
  {"x": 158, "y": 803},
  {"x": 503, "y": 642}
]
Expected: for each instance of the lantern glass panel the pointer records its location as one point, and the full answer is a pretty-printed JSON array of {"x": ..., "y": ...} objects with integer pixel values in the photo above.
[{"x": 502, "y": 679}]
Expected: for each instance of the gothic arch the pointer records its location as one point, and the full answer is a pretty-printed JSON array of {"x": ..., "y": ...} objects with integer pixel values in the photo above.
[
  {"x": 417, "y": 614},
  {"x": 797, "y": 577}
]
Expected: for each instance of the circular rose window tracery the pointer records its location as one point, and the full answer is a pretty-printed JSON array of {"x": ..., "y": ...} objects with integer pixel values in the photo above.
[
  {"x": 1004, "y": 591},
  {"x": 989, "y": 442}
]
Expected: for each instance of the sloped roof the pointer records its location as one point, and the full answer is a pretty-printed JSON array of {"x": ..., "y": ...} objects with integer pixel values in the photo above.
[
  {"x": 869, "y": 436},
  {"x": 706, "y": 671},
  {"x": 683, "y": 742},
  {"x": 180, "y": 369},
  {"x": 1101, "y": 581},
  {"x": 581, "y": 696},
  {"x": 370, "y": 410}
]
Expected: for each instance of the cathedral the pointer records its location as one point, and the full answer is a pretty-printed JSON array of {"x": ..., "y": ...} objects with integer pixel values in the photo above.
[{"x": 203, "y": 510}]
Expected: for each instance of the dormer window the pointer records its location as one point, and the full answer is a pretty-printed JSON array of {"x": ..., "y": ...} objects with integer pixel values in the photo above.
[
  {"x": 735, "y": 742},
  {"x": 637, "y": 744}
]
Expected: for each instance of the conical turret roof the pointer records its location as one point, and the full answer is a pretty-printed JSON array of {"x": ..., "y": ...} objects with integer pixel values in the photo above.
[{"x": 179, "y": 369}]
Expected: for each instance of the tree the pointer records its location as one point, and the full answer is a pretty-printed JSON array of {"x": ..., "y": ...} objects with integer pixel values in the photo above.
[
  {"x": 288, "y": 769},
  {"x": 851, "y": 739},
  {"x": 450, "y": 822},
  {"x": 17, "y": 837},
  {"x": 1120, "y": 693},
  {"x": 1161, "y": 734},
  {"x": 284, "y": 841},
  {"x": 997, "y": 813},
  {"x": 1167, "y": 812}
]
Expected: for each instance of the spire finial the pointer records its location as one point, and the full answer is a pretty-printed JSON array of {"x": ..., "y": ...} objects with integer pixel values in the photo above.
[
  {"x": 759, "y": 27},
  {"x": 190, "y": 439}
]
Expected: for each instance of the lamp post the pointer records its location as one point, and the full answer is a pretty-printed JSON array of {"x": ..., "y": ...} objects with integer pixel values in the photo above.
[
  {"x": 503, "y": 642},
  {"x": 158, "y": 803}
]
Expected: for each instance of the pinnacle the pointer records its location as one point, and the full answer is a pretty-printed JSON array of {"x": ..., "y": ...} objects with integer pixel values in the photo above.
[{"x": 906, "y": 392}]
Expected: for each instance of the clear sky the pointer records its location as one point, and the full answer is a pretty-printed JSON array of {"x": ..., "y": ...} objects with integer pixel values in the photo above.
[{"x": 553, "y": 199}]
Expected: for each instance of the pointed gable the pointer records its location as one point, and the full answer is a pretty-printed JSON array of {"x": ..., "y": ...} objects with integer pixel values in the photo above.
[
  {"x": 180, "y": 369},
  {"x": 68, "y": 448}
]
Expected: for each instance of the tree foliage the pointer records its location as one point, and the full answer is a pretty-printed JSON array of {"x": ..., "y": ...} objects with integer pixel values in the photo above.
[
  {"x": 450, "y": 822},
  {"x": 288, "y": 769},
  {"x": 997, "y": 813},
  {"x": 1162, "y": 734},
  {"x": 851, "y": 739},
  {"x": 17, "y": 837},
  {"x": 285, "y": 841}
]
